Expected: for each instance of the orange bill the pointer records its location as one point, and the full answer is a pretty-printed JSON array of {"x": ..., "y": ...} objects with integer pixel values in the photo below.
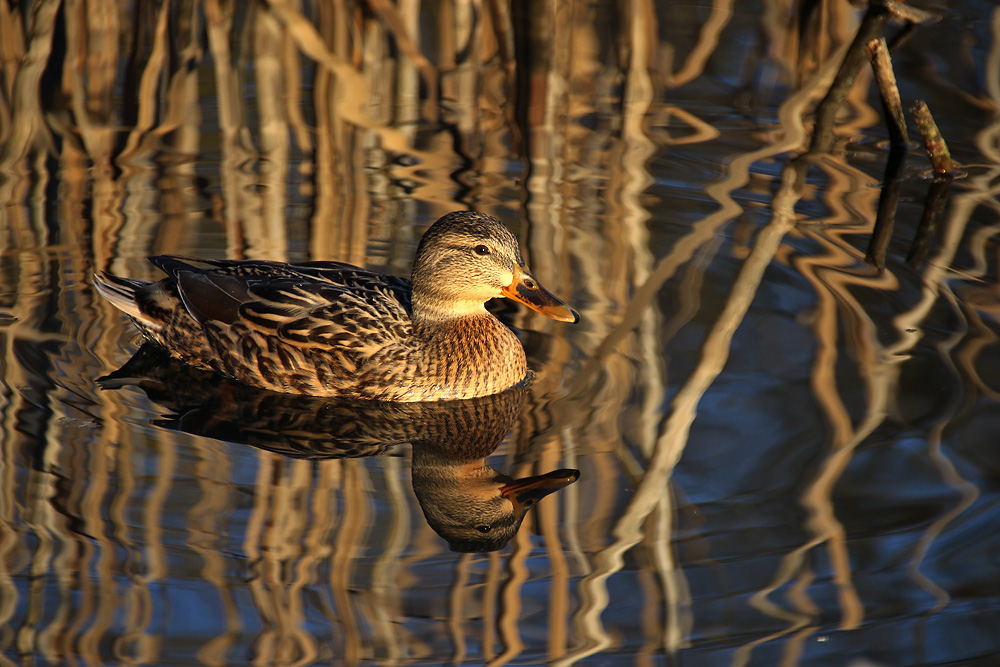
[
  {"x": 527, "y": 491},
  {"x": 525, "y": 289}
]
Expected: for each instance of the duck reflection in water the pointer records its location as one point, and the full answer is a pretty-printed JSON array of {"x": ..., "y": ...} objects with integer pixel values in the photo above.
[{"x": 471, "y": 505}]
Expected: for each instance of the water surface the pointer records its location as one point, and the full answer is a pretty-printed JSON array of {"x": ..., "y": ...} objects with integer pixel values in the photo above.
[{"x": 788, "y": 452}]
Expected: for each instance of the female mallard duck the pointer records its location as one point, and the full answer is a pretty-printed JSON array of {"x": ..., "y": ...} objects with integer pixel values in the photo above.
[{"x": 332, "y": 329}]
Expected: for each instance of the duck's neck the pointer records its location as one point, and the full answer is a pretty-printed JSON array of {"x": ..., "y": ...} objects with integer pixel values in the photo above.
[{"x": 428, "y": 310}]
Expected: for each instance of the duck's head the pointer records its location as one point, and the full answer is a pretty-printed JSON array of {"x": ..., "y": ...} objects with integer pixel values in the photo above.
[{"x": 467, "y": 258}]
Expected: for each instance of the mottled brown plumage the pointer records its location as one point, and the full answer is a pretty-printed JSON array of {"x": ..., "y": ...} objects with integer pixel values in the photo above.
[{"x": 332, "y": 329}]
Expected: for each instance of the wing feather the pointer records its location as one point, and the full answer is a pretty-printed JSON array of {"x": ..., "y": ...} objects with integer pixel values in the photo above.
[{"x": 314, "y": 327}]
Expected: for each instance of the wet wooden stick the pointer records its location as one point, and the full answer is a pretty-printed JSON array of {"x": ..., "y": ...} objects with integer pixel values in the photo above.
[
  {"x": 879, "y": 12},
  {"x": 909, "y": 13},
  {"x": 934, "y": 144},
  {"x": 911, "y": 17},
  {"x": 878, "y": 55},
  {"x": 870, "y": 28}
]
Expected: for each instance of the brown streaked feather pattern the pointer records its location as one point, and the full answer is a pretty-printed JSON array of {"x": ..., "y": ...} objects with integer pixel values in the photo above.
[{"x": 333, "y": 329}]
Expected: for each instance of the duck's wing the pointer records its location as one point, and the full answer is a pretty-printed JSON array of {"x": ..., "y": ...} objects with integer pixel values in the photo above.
[
  {"x": 234, "y": 289},
  {"x": 311, "y": 313},
  {"x": 313, "y": 328}
]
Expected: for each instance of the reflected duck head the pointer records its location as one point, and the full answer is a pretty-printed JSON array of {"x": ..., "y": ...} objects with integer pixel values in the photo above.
[{"x": 477, "y": 509}]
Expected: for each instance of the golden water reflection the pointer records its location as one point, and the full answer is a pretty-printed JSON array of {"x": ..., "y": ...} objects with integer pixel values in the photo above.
[{"x": 787, "y": 455}]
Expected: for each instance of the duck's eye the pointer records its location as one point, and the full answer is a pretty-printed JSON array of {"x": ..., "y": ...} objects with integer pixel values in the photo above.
[
  {"x": 484, "y": 528},
  {"x": 481, "y": 250}
]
